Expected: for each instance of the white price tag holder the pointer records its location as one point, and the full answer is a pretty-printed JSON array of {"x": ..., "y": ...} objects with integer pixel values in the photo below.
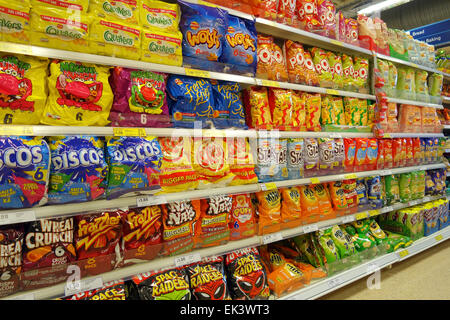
[
  {"x": 423, "y": 168},
  {"x": 310, "y": 228},
  {"x": 335, "y": 135},
  {"x": 387, "y": 172},
  {"x": 25, "y": 296},
  {"x": 187, "y": 259},
  {"x": 74, "y": 287},
  {"x": 146, "y": 201},
  {"x": 413, "y": 202},
  {"x": 272, "y": 237},
  {"x": 334, "y": 283},
  {"x": 426, "y": 199},
  {"x": 17, "y": 217},
  {"x": 348, "y": 219}
]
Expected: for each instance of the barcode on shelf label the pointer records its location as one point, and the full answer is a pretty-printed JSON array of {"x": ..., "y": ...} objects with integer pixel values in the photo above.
[
  {"x": 361, "y": 215},
  {"x": 310, "y": 228},
  {"x": 334, "y": 283},
  {"x": 439, "y": 237},
  {"x": 129, "y": 132},
  {"x": 348, "y": 219},
  {"x": 146, "y": 201},
  {"x": 268, "y": 186},
  {"x": 403, "y": 253},
  {"x": 272, "y": 237},
  {"x": 197, "y": 73},
  {"x": 17, "y": 217},
  {"x": 77, "y": 286},
  {"x": 187, "y": 259}
]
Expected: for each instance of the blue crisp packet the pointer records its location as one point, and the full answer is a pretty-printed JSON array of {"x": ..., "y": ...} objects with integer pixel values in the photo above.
[
  {"x": 239, "y": 47},
  {"x": 374, "y": 192},
  {"x": 295, "y": 158},
  {"x": 78, "y": 172},
  {"x": 134, "y": 165},
  {"x": 190, "y": 99},
  {"x": 280, "y": 151},
  {"x": 267, "y": 162},
  {"x": 228, "y": 103},
  {"x": 361, "y": 190},
  {"x": 203, "y": 28}
]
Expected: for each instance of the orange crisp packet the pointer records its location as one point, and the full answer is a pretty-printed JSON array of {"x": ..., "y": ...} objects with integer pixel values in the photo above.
[
  {"x": 257, "y": 108},
  {"x": 313, "y": 111},
  {"x": 240, "y": 160},
  {"x": 298, "y": 111},
  {"x": 242, "y": 217},
  {"x": 269, "y": 211},
  {"x": 278, "y": 69},
  {"x": 337, "y": 194},
  {"x": 280, "y": 102},
  {"x": 295, "y": 60},
  {"x": 312, "y": 78},
  {"x": 309, "y": 202},
  {"x": 291, "y": 208},
  {"x": 323, "y": 197},
  {"x": 265, "y": 48}
]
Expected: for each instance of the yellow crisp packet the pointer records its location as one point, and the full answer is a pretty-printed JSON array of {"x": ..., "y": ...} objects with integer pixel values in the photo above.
[
  {"x": 158, "y": 14},
  {"x": 116, "y": 40},
  {"x": 120, "y": 11},
  {"x": 15, "y": 22},
  {"x": 70, "y": 6},
  {"x": 162, "y": 47},
  {"x": 328, "y": 111},
  {"x": 80, "y": 95},
  {"x": 59, "y": 29},
  {"x": 23, "y": 89}
]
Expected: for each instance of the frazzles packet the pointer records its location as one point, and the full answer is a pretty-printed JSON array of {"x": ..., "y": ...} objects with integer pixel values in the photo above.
[
  {"x": 78, "y": 172},
  {"x": 134, "y": 165},
  {"x": 24, "y": 172}
]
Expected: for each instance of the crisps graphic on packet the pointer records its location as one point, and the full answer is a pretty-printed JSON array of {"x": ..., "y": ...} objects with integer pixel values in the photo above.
[
  {"x": 78, "y": 172},
  {"x": 242, "y": 217},
  {"x": 23, "y": 89},
  {"x": 161, "y": 47},
  {"x": 240, "y": 160},
  {"x": 227, "y": 97},
  {"x": 159, "y": 14},
  {"x": 134, "y": 165},
  {"x": 257, "y": 108},
  {"x": 24, "y": 172},
  {"x": 269, "y": 211},
  {"x": 280, "y": 102},
  {"x": 15, "y": 25},
  {"x": 213, "y": 228},
  {"x": 80, "y": 95},
  {"x": 122, "y": 11}
]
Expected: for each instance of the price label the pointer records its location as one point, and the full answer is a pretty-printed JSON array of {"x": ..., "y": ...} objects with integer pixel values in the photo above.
[
  {"x": 361, "y": 215},
  {"x": 315, "y": 180},
  {"x": 413, "y": 203},
  {"x": 331, "y": 91},
  {"x": 388, "y": 209},
  {"x": 17, "y": 217},
  {"x": 187, "y": 259},
  {"x": 439, "y": 237},
  {"x": 348, "y": 219},
  {"x": 335, "y": 135},
  {"x": 269, "y": 83},
  {"x": 310, "y": 228},
  {"x": 26, "y": 296},
  {"x": 129, "y": 132},
  {"x": 334, "y": 282},
  {"x": 387, "y": 135},
  {"x": 373, "y": 213},
  {"x": 268, "y": 186},
  {"x": 74, "y": 287},
  {"x": 16, "y": 130},
  {"x": 337, "y": 43},
  {"x": 403, "y": 253},
  {"x": 387, "y": 172},
  {"x": 350, "y": 176},
  {"x": 146, "y": 201},
  {"x": 197, "y": 73},
  {"x": 272, "y": 237}
]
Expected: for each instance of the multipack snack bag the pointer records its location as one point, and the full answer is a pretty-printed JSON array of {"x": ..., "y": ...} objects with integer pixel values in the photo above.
[
  {"x": 309, "y": 201},
  {"x": 327, "y": 15},
  {"x": 79, "y": 170},
  {"x": 326, "y": 155},
  {"x": 361, "y": 72},
  {"x": 159, "y": 46},
  {"x": 322, "y": 66},
  {"x": 350, "y": 152},
  {"x": 348, "y": 69},
  {"x": 361, "y": 153},
  {"x": 280, "y": 103},
  {"x": 134, "y": 165},
  {"x": 311, "y": 155},
  {"x": 278, "y": 68},
  {"x": 337, "y": 72},
  {"x": 25, "y": 169},
  {"x": 268, "y": 210},
  {"x": 242, "y": 217},
  {"x": 227, "y": 98},
  {"x": 291, "y": 209},
  {"x": 313, "y": 104},
  {"x": 16, "y": 22},
  {"x": 323, "y": 196},
  {"x": 11, "y": 237},
  {"x": 241, "y": 162},
  {"x": 159, "y": 14},
  {"x": 308, "y": 15},
  {"x": 79, "y": 95},
  {"x": 257, "y": 108},
  {"x": 295, "y": 158},
  {"x": 23, "y": 88},
  {"x": 339, "y": 156},
  {"x": 298, "y": 111},
  {"x": 122, "y": 11}
]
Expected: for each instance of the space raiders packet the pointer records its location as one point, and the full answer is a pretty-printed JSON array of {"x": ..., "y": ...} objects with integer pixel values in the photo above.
[{"x": 24, "y": 172}]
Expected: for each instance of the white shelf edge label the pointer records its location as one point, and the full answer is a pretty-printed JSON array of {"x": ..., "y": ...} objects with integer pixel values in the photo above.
[
  {"x": 145, "y": 201},
  {"x": 25, "y": 296},
  {"x": 187, "y": 259},
  {"x": 348, "y": 219},
  {"x": 334, "y": 283},
  {"x": 310, "y": 228},
  {"x": 387, "y": 209},
  {"x": 272, "y": 237},
  {"x": 413, "y": 202},
  {"x": 17, "y": 217},
  {"x": 74, "y": 287}
]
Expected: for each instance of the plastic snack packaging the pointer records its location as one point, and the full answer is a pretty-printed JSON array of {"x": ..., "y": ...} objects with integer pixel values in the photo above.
[
  {"x": 239, "y": 46},
  {"x": 361, "y": 70},
  {"x": 392, "y": 117},
  {"x": 240, "y": 160},
  {"x": 291, "y": 209},
  {"x": 203, "y": 28},
  {"x": 326, "y": 155},
  {"x": 409, "y": 152},
  {"x": 339, "y": 156},
  {"x": 340, "y": 26},
  {"x": 397, "y": 152},
  {"x": 328, "y": 246},
  {"x": 380, "y": 158},
  {"x": 11, "y": 236},
  {"x": 227, "y": 97},
  {"x": 242, "y": 217},
  {"x": 142, "y": 234},
  {"x": 212, "y": 228},
  {"x": 269, "y": 211},
  {"x": 23, "y": 89},
  {"x": 337, "y": 195},
  {"x": 392, "y": 189},
  {"x": 402, "y": 161},
  {"x": 405, "y": 83},
  {"x": 58, "y": 27},
  {"x": 435, "y": 82},
  {"x": 24, "y": 173},
  {"x": 388, "y": 154},
  {"x": 417, "y": 151},
  {"x": 280, "y": 102},
  {"x": 309, "y": 203},
  {"x": 112, "y": 291},
  {"x": 79, "y": 95},
  {"x": 298, "y": 111},
  {"x": 327, "y": 15},
  {"x": 350, "y": 153},
  {"x": 313, "y": 111},
  {"x": 393, "y": 76},
  {"x": 78, "y": 172},
  {"x": 405, "y": 187},
  {"x": 286, "y": 12},
  {"x": 322, "y": 66},
  {"x": 360, "y": 153},
  {"x": 335, "y": 61},
  {"x": 97, "y": 241},
  {"x": 257, "y": 108},
  {"x": 351, "y": 195},
  {"x": 323, "y": 196},
  {"x": 308, "y": 15},
  {"x": 295, "y": 158},
  {"x": 264, "y": 53},
  {"x": 154, "y": 285},
  {"x": 372, "y": 155},
  {"x": 351, "y": 31},
  {"x": 159, "y": 14},
  {"x": 121, "y": 11},
  {"x": 421, "y": 85},
  {"x": 428, "y": 119},
  {"x": 374, "y": 192},
  {"x": 246, "y": 275},
  {"x": 328, "y": 116},
  {"x": 361, "y": 241},
  {"x": 158, "y": 46},
  {"x": 139, "y": 96},
  {"x": 414, "y": 184},
  {"x": 348, "y": 69},
  {"x": 311, "y": 157},
  {"x": 352, "y": 113},
  {"x": 134, "y": 165},
  {"x": 361, "y": 191},
  {"x": 267, "y": 161},
  {"x": 278, "y": 69},
  {"x": 16, "y": 22},
  {"x": 280, "y": 150},
  {"x": 295, "y": 62},
  {"x": 343, "y": 244},
  {"x": 65, "y": 5}
]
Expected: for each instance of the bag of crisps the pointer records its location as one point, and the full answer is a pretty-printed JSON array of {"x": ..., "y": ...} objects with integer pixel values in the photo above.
[
  {"x": 227, "y": 98},
  {"x": 339, "y": 156},
  {"x": 392, "y": 117},
  {"x": 264, "y": 54},
  {"x": 350, "y": 153},
  {"x": 159, "y": 14},
  {"x": 326, "y": 155},
  {"x": 311, "y": 157},
  {"x": 348, "y": 69},
  {"x": 242, "y": 217},
  {"x": 338, "y": 110},
  {"x": 361, "y": 153},
  {"x": 241, "y": 162},
  {"x": 257, "y": 113},
  {"x": 278, "y": 69},
  {"x": 15, "y": 25},
  {"x": 121, "y": 11},
  {"x": 295, "y": 158},
  {"x": 361, "y": 71},
  {"x": 309, "y": 202},
  {"x": 337, "y": 72},
  {"x": 307, "y": 13},
  {"x": 337, "y": 194},
  {"x": 294, "y": 53},
  {"x": 313, "y": 111},
  {"x": 291, "y": 210},
  {"x": 158, "y": 46},
  {"x": 65, "y": 5},
  {"x": 298, "y": 111},
  {"x": 280, "y": 102},
  {"x": 269, "y": 211},
  {"x": 372, "y": 155},
  {"x": 328, "y": 117},
  {"x": 80, "y": 95},
  {"x": 323, "y": 196},
  {"x": 351, "y": 195},
  {"x": 322, "y": 66}
]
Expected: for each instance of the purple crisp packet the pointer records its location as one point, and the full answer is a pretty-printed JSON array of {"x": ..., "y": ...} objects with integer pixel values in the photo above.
[{"x": 139, "y": 98}]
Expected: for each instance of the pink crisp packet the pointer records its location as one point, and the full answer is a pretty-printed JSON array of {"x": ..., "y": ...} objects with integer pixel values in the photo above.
[
  {"x": 327, "y": 16},
  {"x": 351, "y": 31},
  {"x": 139, "y": 99}
]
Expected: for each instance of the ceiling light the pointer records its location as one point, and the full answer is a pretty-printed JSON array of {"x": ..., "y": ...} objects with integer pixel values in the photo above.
[{"x": 383, "y": 5}]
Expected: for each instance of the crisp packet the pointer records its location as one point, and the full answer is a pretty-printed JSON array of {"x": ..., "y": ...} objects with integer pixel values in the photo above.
[
  {"x": 313, "y": 111},
  {"x": 280, "y": 102},
  {"x": 257, "y": 108},
  {"x": 322, "y": 65},
  {"x": 15, "y": 25},
  {"x": 298, "y": 111},
  {"x": 122, "y": 11},
  {"x": 161, "y": 47},
  {"x": 336, "y": 69},
  {"x": 295, "y": 158},
  {"x": 311, "y": 157},
  {"x": 227, "y": 96},
  {"x": 240, "y": 159},
  {"x": 159, "y": 14}
]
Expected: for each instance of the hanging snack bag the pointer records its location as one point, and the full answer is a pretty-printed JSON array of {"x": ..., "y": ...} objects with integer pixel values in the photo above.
[
  {"x": 311, "y": 157},
  {"x": 142, "y": 234},
  {"x": 350, "y": 153},
  {"x": 16, "y": 22},
  {"x": 23, "y": 89},
  {"x": 291, "y": 209},
  {"x": 227, "y": 96},
  {"x": 322, "y": 66},
  {"x": 24, "y": 172},
  {"x": 203, "y": 28},
  {"x": 309, "y": 201},
  {"x": 212, "y": 228},
  {"x": 405, "y": 187},
  {"x": 374, "y": 192},
  {"x": 326, "y": 155},
  {"x": 161, "y": 47},
  {"x": 240, "y": 160},
  {"x": 242, "y": 217},
  {"x": 361, "y": 153},
  {"x": 257, "y": 108},
  {"x": 246, "y": 275},
  {"x": 121, "y": 11},
  {"x": 269, "y": 211},
  {"x": 80, "y": 95},
  {"x": 298, "y": 111},
  {"x": 134, "y": 165},
  {"x": 295, "y": 158},
  {"x": 336, "y": 69},
  {"x": 313, "y": 104},
  {"x": 372, "y": 155},
  {"x": 78, "y": 172},
  {"x": 11, "y": 237},
  {"x": 280, "y": 102}
]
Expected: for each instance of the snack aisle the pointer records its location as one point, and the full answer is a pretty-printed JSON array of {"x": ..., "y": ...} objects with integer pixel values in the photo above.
[{"x": 276, "y": 157}]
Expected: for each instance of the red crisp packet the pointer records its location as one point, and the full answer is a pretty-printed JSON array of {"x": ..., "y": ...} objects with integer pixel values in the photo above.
[
  {"x": 380, "y": 159},
  {"x": 308, "y": 16},
  {"x": 242, "y": 218},
  {"x": 286, "y": 12},
  {"x": 396, "y": 152},
  {"x": 409, "y": 152},
  {"x": 388, "y": 154},
  {"x": 97, "y": 239},
  {"x": 280, "y": 102},
  {"x": 350, "y": 152},
  {"x": 11, "y": 240},
  {"x": 142, "y": 233}
]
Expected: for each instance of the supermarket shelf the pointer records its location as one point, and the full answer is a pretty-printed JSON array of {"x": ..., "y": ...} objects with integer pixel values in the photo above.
[
  {"x": 127, "y": 272},
  {"x": 413, "y": 135},
  {"x": 323, "y": 287},
  {"x": 30, "y": 214},
  {"x": 415, "y": 103},
  {"x": 407, "y": 63}
]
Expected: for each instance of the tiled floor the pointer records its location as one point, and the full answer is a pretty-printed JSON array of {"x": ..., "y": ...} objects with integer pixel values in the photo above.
[{"x": 421, "y": 277}]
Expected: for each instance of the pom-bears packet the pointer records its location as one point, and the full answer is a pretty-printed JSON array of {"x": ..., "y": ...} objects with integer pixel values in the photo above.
[
  {"x": 78, "y": 172},
  {"x": 203, "y": 30},
  {"x": 227, "y": 97},
  {"x": 139, "y": 98},
  {"x": 190, "y": 99},
  {"x": 239, "y": 48},
  {"x": 24, "y": 172},
  {"x": 134, "y": 164}
]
